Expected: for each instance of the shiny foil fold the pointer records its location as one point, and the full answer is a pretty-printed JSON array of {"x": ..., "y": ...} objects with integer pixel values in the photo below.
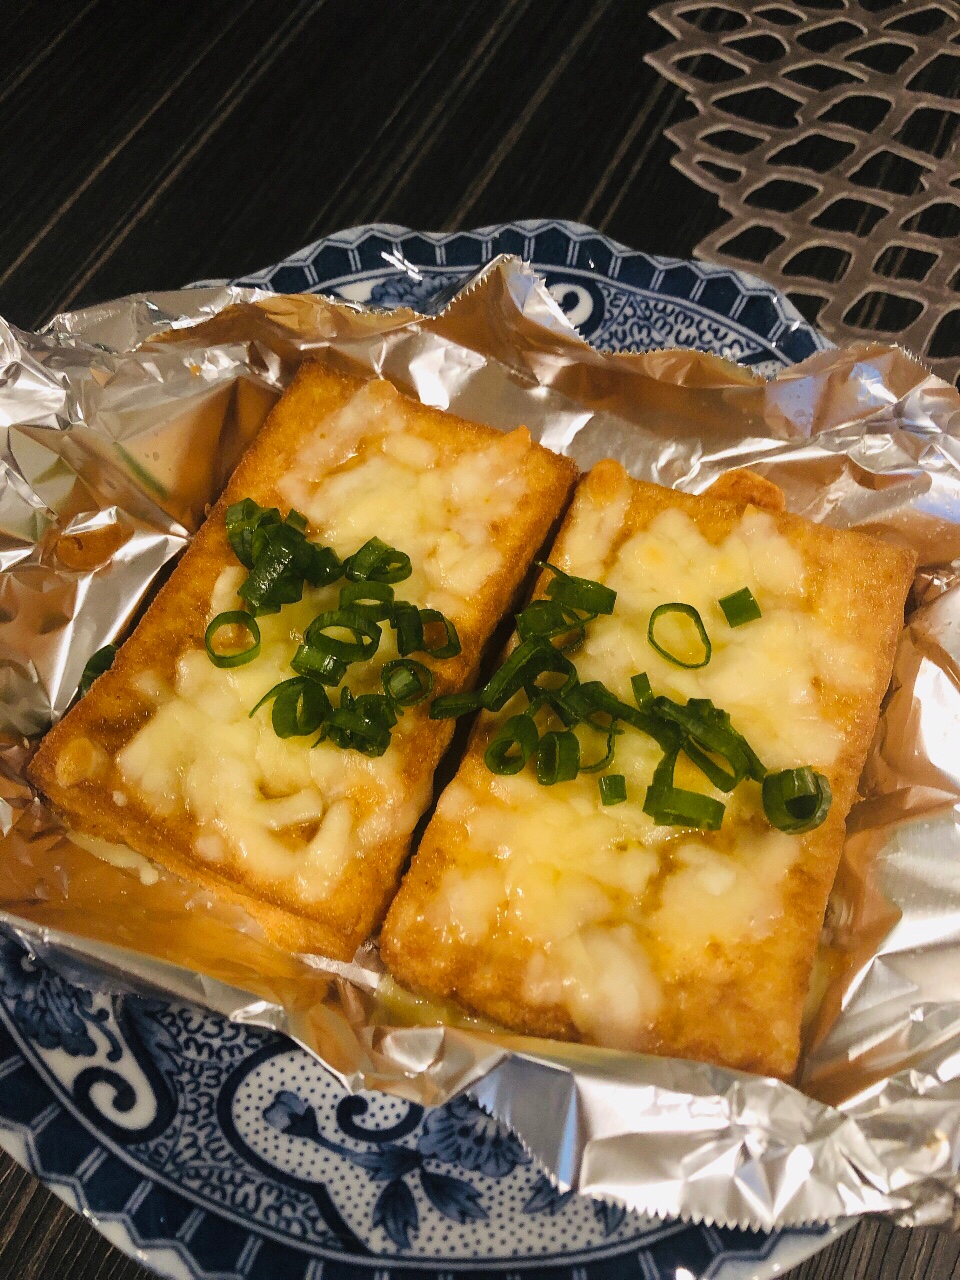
[{"x": 119, "y": 425}]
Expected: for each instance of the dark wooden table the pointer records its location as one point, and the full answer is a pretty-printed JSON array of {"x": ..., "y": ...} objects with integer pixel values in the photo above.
[{"x": 147, "y": 143}]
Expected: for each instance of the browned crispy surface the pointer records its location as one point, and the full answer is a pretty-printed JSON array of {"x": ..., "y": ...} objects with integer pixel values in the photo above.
[
  {"x": 738, "y": 1005},
  {"x": 743, "y": 486},
  {"x": 75, "y": 764}
]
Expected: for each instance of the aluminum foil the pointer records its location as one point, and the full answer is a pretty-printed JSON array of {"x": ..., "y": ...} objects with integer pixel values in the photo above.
[{"x": 120, "y": 424}]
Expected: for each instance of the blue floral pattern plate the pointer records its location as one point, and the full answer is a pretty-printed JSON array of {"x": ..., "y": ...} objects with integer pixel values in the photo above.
[{"x": 207, "y": 1149}]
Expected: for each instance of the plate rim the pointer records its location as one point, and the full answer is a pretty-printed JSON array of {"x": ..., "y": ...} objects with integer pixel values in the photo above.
[{"x": 790, "y": 322}]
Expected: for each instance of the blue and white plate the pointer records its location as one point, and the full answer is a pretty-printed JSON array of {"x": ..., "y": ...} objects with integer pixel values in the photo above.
[{"x": 207, "y": 1149}]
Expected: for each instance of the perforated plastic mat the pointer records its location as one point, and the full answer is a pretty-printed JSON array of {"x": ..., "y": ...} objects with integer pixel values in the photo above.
[{"x": 829, "y": 133}]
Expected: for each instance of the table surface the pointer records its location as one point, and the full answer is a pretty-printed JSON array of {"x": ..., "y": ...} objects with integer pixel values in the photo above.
[{"x": 147, "y": 144}]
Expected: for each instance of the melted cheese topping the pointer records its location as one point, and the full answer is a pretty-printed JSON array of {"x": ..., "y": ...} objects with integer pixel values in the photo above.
[
  {"x": 366, "y": 475},
  {"x": 277, "y": 808},
  {"x": 610, "y": 905}
]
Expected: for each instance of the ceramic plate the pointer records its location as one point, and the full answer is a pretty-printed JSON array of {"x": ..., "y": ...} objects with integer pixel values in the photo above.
[{"x": 206, "y": 1149}]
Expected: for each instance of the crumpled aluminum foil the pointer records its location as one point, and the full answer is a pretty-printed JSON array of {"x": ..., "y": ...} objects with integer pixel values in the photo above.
[{"x": 121, "y": 422}]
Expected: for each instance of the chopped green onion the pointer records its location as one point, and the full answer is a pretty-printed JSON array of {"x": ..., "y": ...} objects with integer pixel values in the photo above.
[
  {"x": 541, "y": 619},
  {"x": 546, "y": 620},
  {"x": 512, "y": 746},
  {"x": 299, "y": 708},
  {"x": 558, "y": 758},
  {"x": 241, "y": 519},
  {"x": 688, "y": 611},
  {"x": 607, "y": 758},
  {"x": 552, "y": 701},
  {"x": 450, "y": 646},
  {"x": 642, "y": 692},
  {"x": 325, "y": 667},
  {"x": 613, "y": 788},
  {"x": 274, "y": 578},
  {"x": 671, "y": 806},
  {"x": 593, "y": 698},
  {"x": 408, "y": 624},
  {"x": 720, "y": 777},
  {"x": 740, "y": 607},
  {"x": 372, "y": 599},
  {"x": 579, "y": 593},
  {"x": 319, "y": 565},
  {"x": 528, "y": 661},
  {"x": 365, "y": 631},
  {"x": 708, "y": 729},
  {"x": 277, "y": 554},
  {"x": 377, "y": 708},
  {"x": 97, "y": 664},
  {"x": 450, "y": 705},
  {"x": 362, "y": 724},
  {"x": 796, "y": 800},
  {"x": 377, "y": 562},
  {"x": 272, "y": 693},
  {"x": 406, "y": 682},
  {"x": 232, "y": 618}
]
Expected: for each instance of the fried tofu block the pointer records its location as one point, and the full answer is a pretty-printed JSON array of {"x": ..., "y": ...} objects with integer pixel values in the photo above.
[
  {"x": 543, "y": 909},
  {"x": 162, "y": 754}
]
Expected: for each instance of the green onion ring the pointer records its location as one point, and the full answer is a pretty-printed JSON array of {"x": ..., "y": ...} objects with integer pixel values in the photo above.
[
  {"x": 594, "y": 698},
  {"x": 558, "y": 758},
  {"x": 319, "y": 565},
  {"x": 325, "y": 667},
  {"x": 406, "y": 682},
  {"x": 796, "y": 800},
  {"x": 241, "y": 519},
  {"x": 613, "y": 789},
  {"x": 299, "y": 708},
  {"x": 372, "y": 599},
  {"x": 518, "y": 732},
  {"x": 272, "y": 693},
  {"x": 579, "y": 593},
  {"x": 366, "y": 631},
  {"x": 362, "y": 724},
  {"x": 377, "y": 708},
  {"x": 406, "y": 621},
  {"x": 740, "y": 607},
  {"x": 377, "y": 561},
  {"x": 548, "y": 620},
  {"x": 552, "y": 701},
  {"x": 690, "y": 612},
  {"x": 672, "y": 806},
  {"x": 707, "y": 729},
  {"x": 451, "y": 644},
  {"x": 530, "y": 659},
  {"x": 607, "y": 759},
  {"x": 274, "y": 578},
  {"x": 232, "y": 618}
]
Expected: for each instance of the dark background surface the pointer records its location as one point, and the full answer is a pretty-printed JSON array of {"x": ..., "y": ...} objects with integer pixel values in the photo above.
[{"x": 146, "y": 144}]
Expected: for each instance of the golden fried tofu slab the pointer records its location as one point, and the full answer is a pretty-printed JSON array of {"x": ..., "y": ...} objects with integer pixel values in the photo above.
[
  {"x": 560, "y": 916},
  {"x": 163, "y": 755}
]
